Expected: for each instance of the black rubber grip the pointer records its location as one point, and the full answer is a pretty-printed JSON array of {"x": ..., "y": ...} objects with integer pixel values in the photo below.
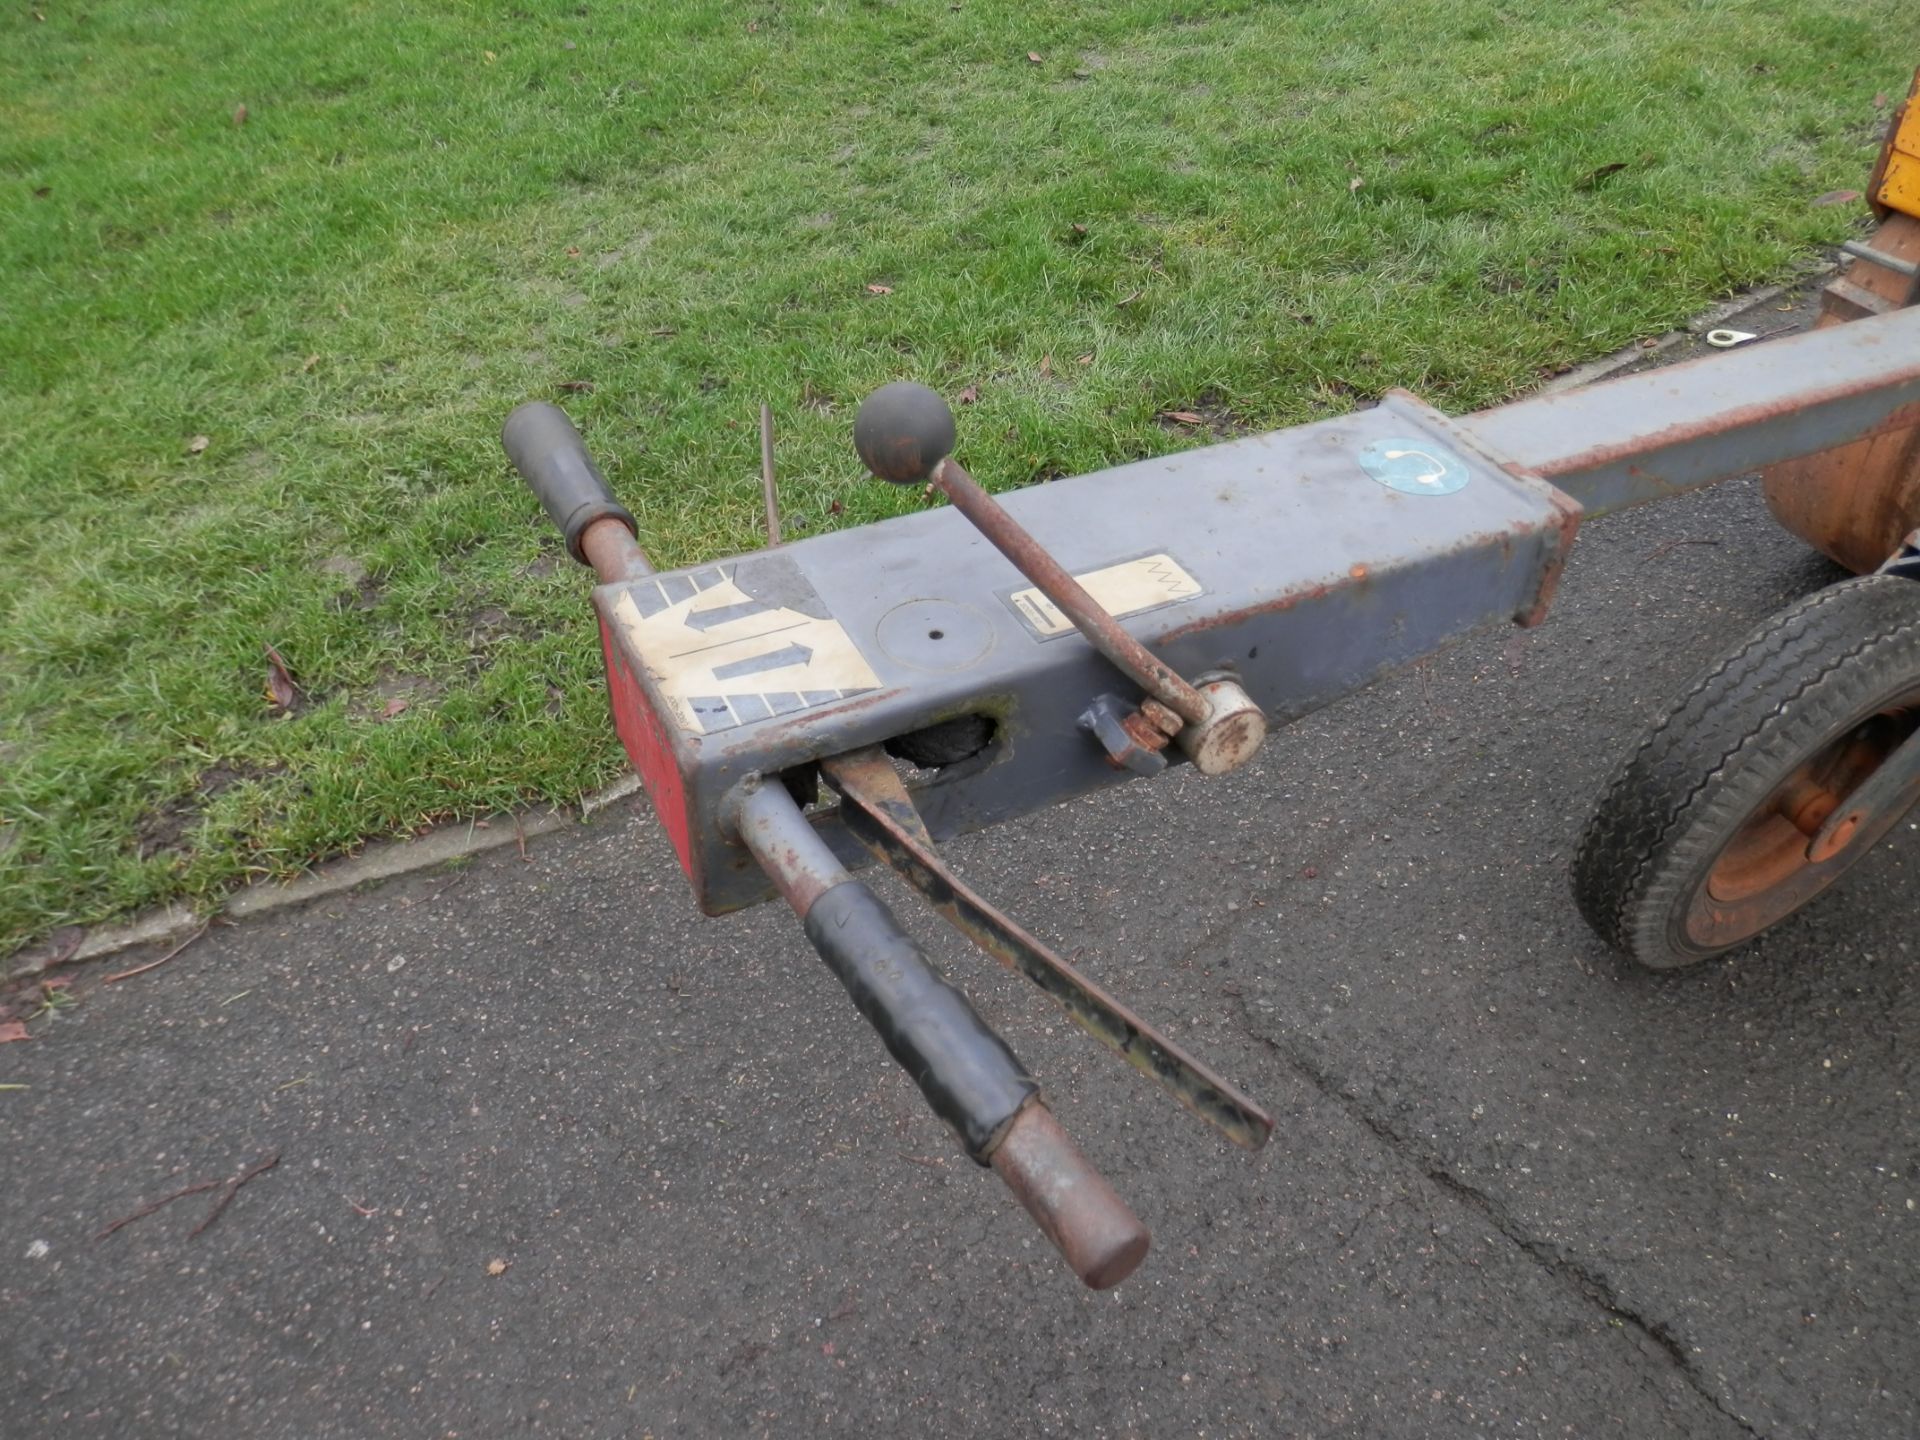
[
  {"x": 552, "y": 458},
  {"x": 969, "y": 1076}
]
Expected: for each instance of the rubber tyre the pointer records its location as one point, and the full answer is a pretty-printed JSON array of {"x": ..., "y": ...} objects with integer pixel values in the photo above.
[{"x": 1811, "y": 677}]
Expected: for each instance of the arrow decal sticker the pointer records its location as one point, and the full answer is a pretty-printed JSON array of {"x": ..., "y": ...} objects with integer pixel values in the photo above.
[{"x": 755, "y": 623}]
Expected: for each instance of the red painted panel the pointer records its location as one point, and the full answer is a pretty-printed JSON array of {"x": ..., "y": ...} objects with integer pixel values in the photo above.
[{"x": 646, "y": 741}]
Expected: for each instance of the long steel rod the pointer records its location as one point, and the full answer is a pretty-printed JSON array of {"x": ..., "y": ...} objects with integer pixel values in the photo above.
[
  {"x": 1860, "y": 250},
  {"x": 1647, "y": 436}
]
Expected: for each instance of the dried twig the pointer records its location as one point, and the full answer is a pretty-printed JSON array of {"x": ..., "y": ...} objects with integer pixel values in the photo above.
[
  {"x": 156, "y": 964},
  {"x": 219, "y": 1205},
  {"x": 146, "y": 1210},
  {"x": 767, "y": 491},
  {"x": 233, "y": 1188}
]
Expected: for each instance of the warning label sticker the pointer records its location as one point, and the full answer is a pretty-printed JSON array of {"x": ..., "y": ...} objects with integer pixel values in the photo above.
[
  {"x": 1132, "y": 587},
  {"x": 740, "y": 642}
]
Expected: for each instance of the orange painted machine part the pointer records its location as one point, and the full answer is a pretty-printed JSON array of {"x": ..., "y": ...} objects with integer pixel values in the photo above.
[
  {"x": 1857, "y": 503},
  {"x": 1896, "y": 178}
]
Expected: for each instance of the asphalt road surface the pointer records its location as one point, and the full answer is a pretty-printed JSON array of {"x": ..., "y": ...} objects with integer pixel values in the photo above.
[{"x": 558, "y": 1157}]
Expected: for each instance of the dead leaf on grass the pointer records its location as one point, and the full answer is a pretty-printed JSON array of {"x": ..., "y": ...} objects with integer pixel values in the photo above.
[
  {"x": 573, "y": 252},
  {"x": 1837, "y": 197},
  {"x": 1595, "y": 176},
  {"x": 969, "y": 395},
  {"x": 1034, "y": 56},
  {"x": 308, "y": 363},
  {"x": 1355, "y": 183},
  {"x": 281, "y": 691},
  {"x": 576, "y": 387},
  {"x": 1184, "y": 417},
  {"x": 198, "y": 443},
  {"x": 879, "y": 289},
  {"x": 239, "y": 114},
  {"x": 835, "y": 508},
  {"x": 1086, "y": 359},
  {"x": 395, "y": 706},
  {"x": 1046, "y": 364}
]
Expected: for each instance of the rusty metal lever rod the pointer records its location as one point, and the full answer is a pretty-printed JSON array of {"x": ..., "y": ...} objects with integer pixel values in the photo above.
[
  {"x": 969, "y": 1077},
  {"x": 1089, "y": 617},
  {"x": 905, "y": 433}
]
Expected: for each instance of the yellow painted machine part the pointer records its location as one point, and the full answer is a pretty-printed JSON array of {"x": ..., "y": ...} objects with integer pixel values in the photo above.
[{"x": 1900, "y": 175}]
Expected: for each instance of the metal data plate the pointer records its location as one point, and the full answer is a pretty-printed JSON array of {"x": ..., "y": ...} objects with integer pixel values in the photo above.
[{"x": 1307, "y": 563}]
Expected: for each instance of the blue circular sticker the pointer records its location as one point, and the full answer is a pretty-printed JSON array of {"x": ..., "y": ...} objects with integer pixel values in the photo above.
[{"x": 1414, "y": 467}]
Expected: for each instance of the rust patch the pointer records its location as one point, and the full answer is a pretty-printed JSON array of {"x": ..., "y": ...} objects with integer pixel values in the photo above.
[
  {"x": 1143, "y": 732},
  {"x": 1276, "y": 606},
  {"x": 1160, "y": 716},
  {"x": 1562, "y": 533}
]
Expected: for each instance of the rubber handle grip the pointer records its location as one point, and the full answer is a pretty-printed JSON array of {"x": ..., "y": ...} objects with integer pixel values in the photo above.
[
  {"x": 552, "y": 458},
  {"x": 969, "y": 1077}
]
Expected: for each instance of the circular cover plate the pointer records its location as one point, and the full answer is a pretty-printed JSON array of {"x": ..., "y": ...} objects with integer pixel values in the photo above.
[
  {"x": 935, "y": 634},
  {"x": 1414, "y": 467}
]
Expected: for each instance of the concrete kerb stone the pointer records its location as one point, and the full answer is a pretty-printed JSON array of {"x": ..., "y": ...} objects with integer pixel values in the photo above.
[
  {"x": 386, "y": 860},
  {"x": 1613, "y": 364}
]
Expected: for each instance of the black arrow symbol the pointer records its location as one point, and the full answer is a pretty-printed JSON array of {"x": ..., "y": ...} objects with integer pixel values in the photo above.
[
  {"x": 772, "y": 660},
  {"x": 723, "y": 614}
]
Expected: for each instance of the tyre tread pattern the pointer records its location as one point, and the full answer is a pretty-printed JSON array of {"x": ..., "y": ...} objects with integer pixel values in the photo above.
[{"x": 1632, "y": 851}]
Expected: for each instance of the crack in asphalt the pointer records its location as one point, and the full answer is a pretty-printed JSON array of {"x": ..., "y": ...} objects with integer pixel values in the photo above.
[{"x": 1591, "y": 1286}]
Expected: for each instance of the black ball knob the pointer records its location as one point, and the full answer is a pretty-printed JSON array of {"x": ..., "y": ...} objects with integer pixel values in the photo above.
[{"x": 902, "y": 432}]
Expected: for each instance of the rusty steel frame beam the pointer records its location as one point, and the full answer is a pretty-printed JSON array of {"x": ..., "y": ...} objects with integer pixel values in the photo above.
[
  {"x": 1659, "y": 433},
  {"x": 1307, "y": 577}
]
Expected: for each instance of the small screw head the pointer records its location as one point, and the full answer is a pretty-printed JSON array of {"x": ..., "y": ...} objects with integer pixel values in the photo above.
[{"x": 902, "y": 432}]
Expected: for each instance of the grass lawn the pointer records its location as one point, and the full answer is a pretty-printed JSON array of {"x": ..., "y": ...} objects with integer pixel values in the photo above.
[{"x": 1095, "y": 213}]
